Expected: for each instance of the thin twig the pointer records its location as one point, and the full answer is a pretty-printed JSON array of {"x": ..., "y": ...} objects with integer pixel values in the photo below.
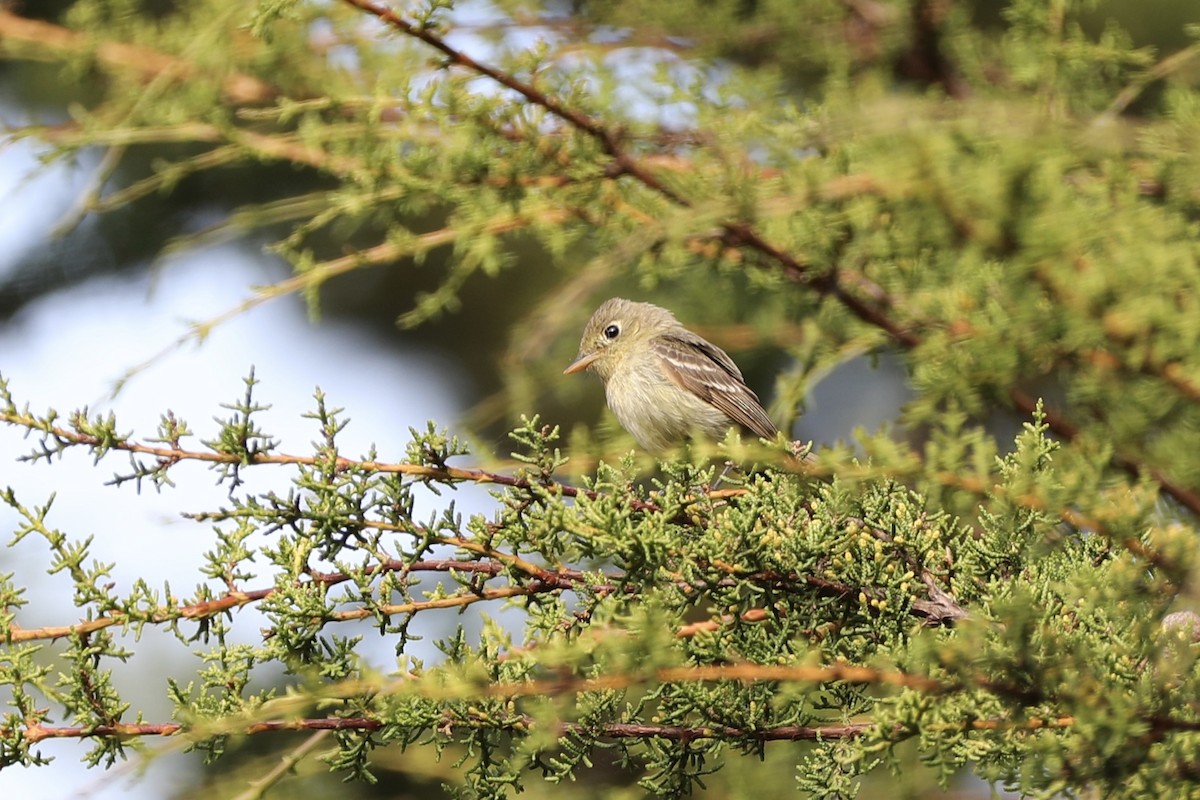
[
  {"x": 1170, "y": 64},
  {"x": 287, "y": 763}
]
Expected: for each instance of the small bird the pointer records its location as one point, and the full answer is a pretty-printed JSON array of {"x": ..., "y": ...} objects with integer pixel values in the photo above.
[{"x": 663, "y": 381}]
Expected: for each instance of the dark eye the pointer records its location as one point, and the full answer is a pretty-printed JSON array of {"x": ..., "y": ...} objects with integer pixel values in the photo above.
[{"x": 612, "y": 332}]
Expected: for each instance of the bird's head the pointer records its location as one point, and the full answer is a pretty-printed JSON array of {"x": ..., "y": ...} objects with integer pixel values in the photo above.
[{"x": 618, "y": 329}]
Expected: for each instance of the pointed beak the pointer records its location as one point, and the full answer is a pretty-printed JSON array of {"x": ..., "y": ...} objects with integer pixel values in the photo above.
[{"x": 581, "y": 363}]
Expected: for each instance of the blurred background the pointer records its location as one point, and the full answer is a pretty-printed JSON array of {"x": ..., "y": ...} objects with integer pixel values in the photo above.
[{"x": 98, "y": 306}]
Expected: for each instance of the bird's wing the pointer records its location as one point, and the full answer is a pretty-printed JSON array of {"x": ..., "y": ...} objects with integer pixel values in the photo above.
[{"x": 705, "y": 370}]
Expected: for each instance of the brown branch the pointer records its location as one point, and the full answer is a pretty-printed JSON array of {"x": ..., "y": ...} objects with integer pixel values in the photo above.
[
  {"x": 1160, "y": 725},
  {"x": 840, "y": 672},
  {"x": 609, "y": 730},
  {"x": 459, "y": 601},
  {"x": 1170, "y": 373},
  {"x": 1072, "y": 517},
  {"x": 36, "y": 733},
  {"x": 201, "y": 610},
  {"x": 546, "y": 582},
  {"x": 713, "y": 625},
  {"x": 174, "y": 454},
  {"x": 622, "y": 163},
  {"x": 939, "y": 609}
]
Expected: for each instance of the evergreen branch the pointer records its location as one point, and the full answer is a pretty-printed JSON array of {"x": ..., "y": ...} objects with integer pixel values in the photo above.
[
  {"x": 65, "y": 438},
  {"x": 746, "y": 673},
  {"x": 1186, "y": 497},
  {"x": 610, "y": 730},
  {"x": 622, "y": 163},
  {"x": 937, "y": 612},
  {"x": 1159, "y": 725},
  {"x": 1076, "y": 519},
  {"x": 940, "y": 609},
  {"x": 524, "y": 724},
  {"x": 201, "y": 610},
  {"x": 242, "y": 89},
  {"x": 247, "y": 91},
  {"x": 1171, "y": 64},
  {"x": 312, "y": 278},
  {"x": 459, "y": 600},
  {"x": 1169, "y": 372},
  {"x": 238, "y": 87},
  {"x": 289, "y": 147}
]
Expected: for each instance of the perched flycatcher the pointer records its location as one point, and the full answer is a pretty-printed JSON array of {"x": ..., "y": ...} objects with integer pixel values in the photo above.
[{"x": 663, "y": 381}]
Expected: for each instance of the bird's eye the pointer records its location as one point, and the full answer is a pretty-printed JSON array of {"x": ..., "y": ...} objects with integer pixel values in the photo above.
[{"x": 612, "y": 332}]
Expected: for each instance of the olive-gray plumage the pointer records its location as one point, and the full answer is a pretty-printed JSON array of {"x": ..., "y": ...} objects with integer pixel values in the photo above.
[{"x": 663, "y": 381}]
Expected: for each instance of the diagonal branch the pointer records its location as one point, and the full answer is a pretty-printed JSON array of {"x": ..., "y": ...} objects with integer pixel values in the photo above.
[{"x": 622, "y": 162}]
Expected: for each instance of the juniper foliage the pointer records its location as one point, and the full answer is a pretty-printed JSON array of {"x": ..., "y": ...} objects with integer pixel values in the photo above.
[{"x": 1008, "y": 208}]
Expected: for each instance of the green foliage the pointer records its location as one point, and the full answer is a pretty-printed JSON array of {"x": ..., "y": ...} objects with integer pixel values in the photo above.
[
  {"x": 676, "y": 628},
  {"x": 989, "y": 587}
]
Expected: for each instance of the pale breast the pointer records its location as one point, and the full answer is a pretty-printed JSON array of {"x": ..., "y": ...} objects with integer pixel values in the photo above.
[{"x": 658, "y": 414}]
